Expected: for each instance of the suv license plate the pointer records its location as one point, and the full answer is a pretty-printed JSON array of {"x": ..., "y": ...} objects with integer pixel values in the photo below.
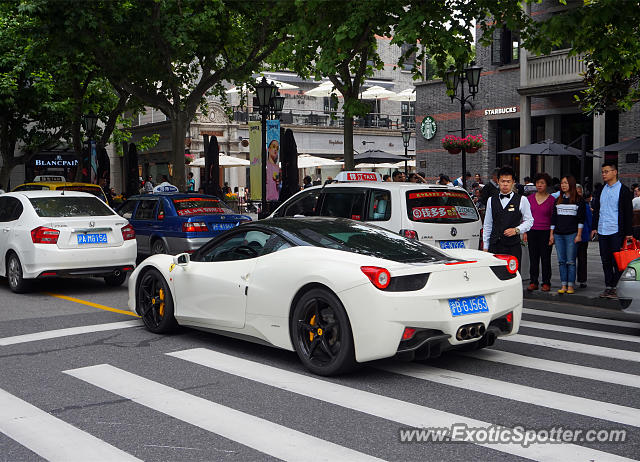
[
  {"x": 468, "y": 305},
  {"x": 452, "y": 244},
  {"x": 94, "y": 238}
]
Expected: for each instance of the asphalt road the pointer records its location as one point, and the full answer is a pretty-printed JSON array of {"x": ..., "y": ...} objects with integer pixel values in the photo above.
[{"x": 124, "y": 393}]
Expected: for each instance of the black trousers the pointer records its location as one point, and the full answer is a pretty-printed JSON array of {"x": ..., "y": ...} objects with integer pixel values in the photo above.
[
  {"x": 581, "y": 270},
  {"x": 511, "y": 249},
  {"x": 539, "y": 252},
  {"x": 609, "y": 244}
]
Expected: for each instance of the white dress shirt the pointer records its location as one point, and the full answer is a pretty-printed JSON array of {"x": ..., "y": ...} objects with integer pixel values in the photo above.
[{"x": 524, "y": 226}]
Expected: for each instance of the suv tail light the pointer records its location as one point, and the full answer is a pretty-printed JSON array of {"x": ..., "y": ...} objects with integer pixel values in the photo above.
[
  {"x": 43, "y": 235},
  {"x": 409, "y": 233},
  {"x": 379, "y": 277},
  {"x": 194, "y": 227},
  {"x": 512, "y": 262},
  {"x": 128, "y": 233}
]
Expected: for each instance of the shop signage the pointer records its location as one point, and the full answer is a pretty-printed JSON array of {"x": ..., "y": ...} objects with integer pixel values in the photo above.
[
  {"x": 54, "y": 160},
  {"x": 501, "y": 110},
  {"x": 428, "y": 127}
]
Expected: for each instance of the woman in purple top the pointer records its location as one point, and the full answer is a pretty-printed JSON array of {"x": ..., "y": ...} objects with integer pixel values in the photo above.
[{"x": 538, "y": 236}]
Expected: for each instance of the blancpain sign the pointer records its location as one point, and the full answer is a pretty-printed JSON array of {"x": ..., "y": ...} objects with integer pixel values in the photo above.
[
  {"x": 501, "y": 110},
  {"x": 57, "y": 161}
]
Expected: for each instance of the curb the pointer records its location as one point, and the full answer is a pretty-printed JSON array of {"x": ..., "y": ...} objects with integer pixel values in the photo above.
[{"x": 575, "y": 299}]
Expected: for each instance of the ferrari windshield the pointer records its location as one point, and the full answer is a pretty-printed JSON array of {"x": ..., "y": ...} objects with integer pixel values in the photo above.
[{"x": 352, "y": 236}]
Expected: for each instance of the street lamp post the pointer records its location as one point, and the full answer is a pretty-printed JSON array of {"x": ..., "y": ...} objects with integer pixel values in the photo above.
[
  {"x": 90, "y": 123},
  {"x": 406, "y": 138},
  {"x": 453, "y": 77},
  {"x": 267, "y": 99}
]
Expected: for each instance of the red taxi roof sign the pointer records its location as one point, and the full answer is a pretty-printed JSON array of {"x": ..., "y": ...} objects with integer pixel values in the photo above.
[{"x": 358, "y": 176}]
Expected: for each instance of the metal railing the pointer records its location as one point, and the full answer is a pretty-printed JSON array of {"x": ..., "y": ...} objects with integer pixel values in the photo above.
[
  {"x": 329, "y": 119},
  {"x": 556, "y": 68}
]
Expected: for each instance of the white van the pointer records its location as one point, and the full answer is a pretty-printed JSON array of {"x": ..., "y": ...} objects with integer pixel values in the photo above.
[{"x": 443, "y": 216}]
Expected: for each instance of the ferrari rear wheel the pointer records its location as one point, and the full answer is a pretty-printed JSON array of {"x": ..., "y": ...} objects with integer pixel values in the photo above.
[
  {"x": 155, "y": 303},
  {"x": 322, "y": 333}
]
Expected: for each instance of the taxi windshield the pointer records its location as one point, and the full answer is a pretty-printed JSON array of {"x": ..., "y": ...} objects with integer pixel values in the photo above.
[
  {"x": 440, "y": 206},
  {"x": 191, "y": 206},
  {"x": 96, "y": 191}
]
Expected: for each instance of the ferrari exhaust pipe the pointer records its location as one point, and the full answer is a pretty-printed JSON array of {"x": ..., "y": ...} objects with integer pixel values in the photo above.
[{"x": 470, "y": 331}]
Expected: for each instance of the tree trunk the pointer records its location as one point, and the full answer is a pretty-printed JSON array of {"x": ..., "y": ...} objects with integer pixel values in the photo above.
[
  {"x": 348, "y": 143},
  {"x": 179, "y": 124},
  {"x": 7, "y": 151}
]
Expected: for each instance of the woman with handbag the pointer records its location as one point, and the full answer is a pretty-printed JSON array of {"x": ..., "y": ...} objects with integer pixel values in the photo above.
[{"x": 567, "y": 222}]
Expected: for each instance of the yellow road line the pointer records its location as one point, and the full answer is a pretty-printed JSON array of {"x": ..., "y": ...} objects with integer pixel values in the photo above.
[{"x": 95, "y": 305}]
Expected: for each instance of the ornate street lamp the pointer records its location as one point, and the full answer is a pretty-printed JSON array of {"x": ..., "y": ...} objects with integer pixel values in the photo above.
[
  {"x": 266, "y": 94},
  {"x": 406, "y": 138},
  {"x": 90, "y": 121},
  {"x": 455, "y": 78}
]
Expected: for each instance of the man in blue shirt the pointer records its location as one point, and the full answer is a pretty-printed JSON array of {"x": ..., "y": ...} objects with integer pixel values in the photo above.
[{"x": 612, "y": 221}]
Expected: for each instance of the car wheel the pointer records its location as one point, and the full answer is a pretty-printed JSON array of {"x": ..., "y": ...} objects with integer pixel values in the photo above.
[
  {"x": 322, "y": 334},
  {"x": 114, "y": 280},
  {"x": 158, "y": 247},
  {"x": 17, "y": 283},
  {"x": 154, "y": 303}
]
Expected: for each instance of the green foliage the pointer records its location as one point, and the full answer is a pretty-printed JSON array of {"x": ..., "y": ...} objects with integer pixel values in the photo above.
[{"x": 122, "y": 133}]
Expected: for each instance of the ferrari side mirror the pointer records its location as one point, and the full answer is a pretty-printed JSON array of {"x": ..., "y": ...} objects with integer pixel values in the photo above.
[{"x": 181, "y": 259}]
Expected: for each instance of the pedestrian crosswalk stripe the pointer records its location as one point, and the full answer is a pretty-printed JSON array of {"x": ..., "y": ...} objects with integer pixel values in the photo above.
[
  {"x": 49, "y": 334},
  {"x": 575, "y": 317},
  {"x": 585, "y": 348},
  {"x": 51, "y": 438},
  {"x": 392, "y": 409},
  {"x": 539, "y": 397},
  {"x": 574, "y": 370},
  {"x": 580, "y": 331},
  {"x": 255, "y": 432}
]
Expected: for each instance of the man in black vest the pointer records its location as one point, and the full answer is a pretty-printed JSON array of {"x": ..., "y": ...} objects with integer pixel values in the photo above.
[{"x": 508, "y": 215}]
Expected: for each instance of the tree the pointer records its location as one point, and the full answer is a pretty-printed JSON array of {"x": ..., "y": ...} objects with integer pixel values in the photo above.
[
  {"x": 607, "y": 33},
  {"x": 170, "y": 55}
]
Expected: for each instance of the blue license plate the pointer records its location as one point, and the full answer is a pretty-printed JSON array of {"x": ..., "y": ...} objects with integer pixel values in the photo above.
[
  {"x": 222, "y": 226},
  {"x": 468, "y": 305},
  {"x": 94, "y": 238},
  {"x": 452, "y": 244}
]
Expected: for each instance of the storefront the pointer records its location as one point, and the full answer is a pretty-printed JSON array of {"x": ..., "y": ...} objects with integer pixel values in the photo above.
[{"x": 64, "y": 163}]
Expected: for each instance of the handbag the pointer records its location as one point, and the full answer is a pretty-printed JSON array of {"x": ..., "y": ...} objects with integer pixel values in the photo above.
[{"x": 630, "y": 251}]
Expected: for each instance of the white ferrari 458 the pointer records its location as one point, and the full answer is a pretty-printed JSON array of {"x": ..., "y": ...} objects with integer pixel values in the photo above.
[{"x": 337, "y": 291}]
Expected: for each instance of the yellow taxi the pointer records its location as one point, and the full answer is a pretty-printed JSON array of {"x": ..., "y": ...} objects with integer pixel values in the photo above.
[{"x": 53, "y": 182}]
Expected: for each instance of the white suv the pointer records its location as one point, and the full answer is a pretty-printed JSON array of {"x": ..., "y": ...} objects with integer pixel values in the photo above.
[{"x": 443, "y": 216}]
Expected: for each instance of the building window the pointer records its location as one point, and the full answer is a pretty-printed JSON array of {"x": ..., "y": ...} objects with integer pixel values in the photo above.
[
  {"x": 329, "y": 105},
  {"x": 410, "y": 60},
  {"x": 505, "y": 47},
  {"x": 408, "y": 110}
]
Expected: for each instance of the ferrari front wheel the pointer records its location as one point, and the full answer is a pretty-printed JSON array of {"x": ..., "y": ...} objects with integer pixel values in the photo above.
[
  {"x": 155, "y": 303},
  {"x": 322, "y": 334}
]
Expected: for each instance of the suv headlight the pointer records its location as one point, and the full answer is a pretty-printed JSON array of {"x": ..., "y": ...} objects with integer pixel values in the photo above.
[{"x": 629, "y": 274}]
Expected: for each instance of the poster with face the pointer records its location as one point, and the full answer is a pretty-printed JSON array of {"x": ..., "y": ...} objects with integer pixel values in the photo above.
[{"x": 273, "y": 157}]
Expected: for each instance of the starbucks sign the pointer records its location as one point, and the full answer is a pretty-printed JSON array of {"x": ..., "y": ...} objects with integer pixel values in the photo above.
[{"x": 428, "y": 127}]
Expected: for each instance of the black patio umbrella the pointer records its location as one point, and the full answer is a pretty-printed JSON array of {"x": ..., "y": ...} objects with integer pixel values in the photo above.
[
  {"x": 132, "y": 174},
  {"x": 289, "y": 166},
  {"x": 375, "y": 156},
  {"x": 547, "y": 148},
  {"x": 212, "y": 167},
  {"x": 628, "y": 145}
]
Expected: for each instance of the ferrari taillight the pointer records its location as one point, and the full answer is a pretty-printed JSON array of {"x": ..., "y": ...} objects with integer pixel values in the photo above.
[
  {"x": 128, "y": 233},
  {"x": 509, "y": 317},
  {"x": 43, "y": 235},
  {"x": 512, "y": 262},
  {"x": 194, "y": 227},
  {"x": 379, "y": 277}
]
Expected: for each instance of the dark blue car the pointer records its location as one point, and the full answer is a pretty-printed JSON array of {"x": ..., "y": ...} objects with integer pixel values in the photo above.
[{"x": 174, "y": 222}]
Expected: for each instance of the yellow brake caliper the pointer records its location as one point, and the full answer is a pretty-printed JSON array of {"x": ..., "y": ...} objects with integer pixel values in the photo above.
[
  {"x": 161, "y": 307},
  {"x": 312, "y": 322}
]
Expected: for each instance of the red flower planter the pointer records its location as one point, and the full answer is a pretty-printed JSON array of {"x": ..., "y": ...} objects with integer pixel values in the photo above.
[
  {"x": 454, "y": 150},
  {"x": 472, "y": 150}
]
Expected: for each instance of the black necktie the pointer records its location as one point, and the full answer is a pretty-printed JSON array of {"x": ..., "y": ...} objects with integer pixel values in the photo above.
[{"x": 505, "y": 196}]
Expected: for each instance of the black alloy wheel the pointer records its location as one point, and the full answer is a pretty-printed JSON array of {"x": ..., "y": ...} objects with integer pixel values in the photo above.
[
  {"x": 154, "y": 302},
  {"x": 158, "y": 247},
  {"x": 322, "y": 334},
  {"x": 17, "y": 283}
]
